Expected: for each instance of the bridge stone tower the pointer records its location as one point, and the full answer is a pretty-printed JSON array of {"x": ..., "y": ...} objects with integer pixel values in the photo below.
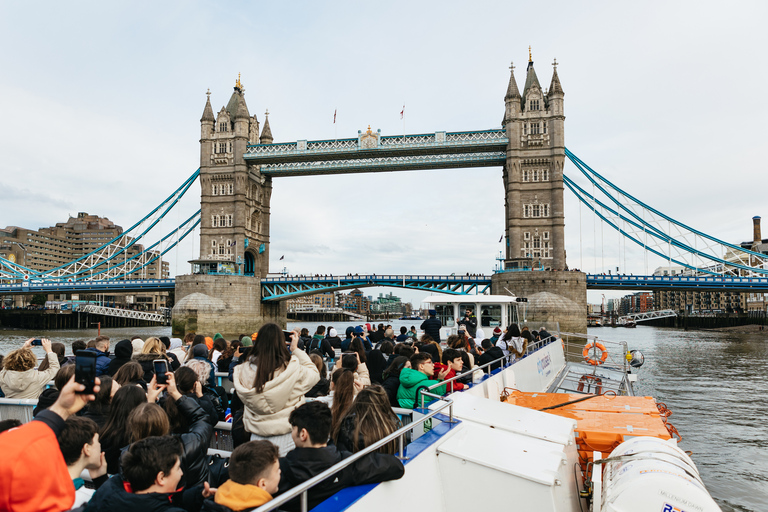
[
  {"x": 533, "y": 174},
  {"x": 223, "y": 294},
  {"x": 534, "y": 209}
]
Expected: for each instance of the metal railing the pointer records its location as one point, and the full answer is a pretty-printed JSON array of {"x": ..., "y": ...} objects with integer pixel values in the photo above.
[
  {"x": 616, "y": 351},
  {"x": 302, "y": 489},
  {"x": 461, "y": 375}
]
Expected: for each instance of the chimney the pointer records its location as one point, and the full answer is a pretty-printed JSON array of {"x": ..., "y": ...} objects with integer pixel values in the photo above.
[{"x": 757, "y": 238}]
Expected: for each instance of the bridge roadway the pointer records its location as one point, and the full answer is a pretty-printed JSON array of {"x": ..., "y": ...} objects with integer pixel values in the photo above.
[{"x": 285, "y": 287}]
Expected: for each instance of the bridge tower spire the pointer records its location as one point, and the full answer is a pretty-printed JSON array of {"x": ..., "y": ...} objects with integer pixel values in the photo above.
[
  {"x": 533, "y": 174},
  {"x": 235, "y": 202},
  {"x": 223, "y": 294}
]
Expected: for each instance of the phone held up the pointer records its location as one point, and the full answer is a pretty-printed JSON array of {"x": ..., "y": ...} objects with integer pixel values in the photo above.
[
  {"x": 161, "y": 368},
  {"x": 287, "y": 335},
  {"x": 85, "y": 370},
  {"x": 37, "y": 343}
]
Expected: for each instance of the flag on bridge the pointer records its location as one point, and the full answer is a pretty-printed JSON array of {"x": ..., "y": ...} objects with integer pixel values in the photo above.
[
  {"x": 402, "y": 112},
  {"x": 334, "y": 116},
  {"x": 501, "y": 237},
  {"x": 282, "y": 257}
]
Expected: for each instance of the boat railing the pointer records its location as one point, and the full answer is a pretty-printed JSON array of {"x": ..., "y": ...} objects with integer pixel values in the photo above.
[
  {"x": 301, "y": 490},
  {"x": 427, "y": 390},
  {"x": 586, "y": 347}
]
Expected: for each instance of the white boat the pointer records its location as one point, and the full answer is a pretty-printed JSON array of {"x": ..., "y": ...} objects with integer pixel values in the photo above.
[{"x": 596, "y": 447}]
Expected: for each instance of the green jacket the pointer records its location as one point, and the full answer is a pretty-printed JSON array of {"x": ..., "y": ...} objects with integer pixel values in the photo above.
[{"x": 410, "y": 381}]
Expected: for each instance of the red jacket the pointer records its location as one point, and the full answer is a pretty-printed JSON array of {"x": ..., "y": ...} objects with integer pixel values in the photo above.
[
  {"x": 451, "y": 386},
  {"x": 33, "y": 474}
]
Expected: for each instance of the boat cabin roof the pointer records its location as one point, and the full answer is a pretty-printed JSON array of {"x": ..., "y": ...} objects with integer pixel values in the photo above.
[{"x": 475, "y": 299}]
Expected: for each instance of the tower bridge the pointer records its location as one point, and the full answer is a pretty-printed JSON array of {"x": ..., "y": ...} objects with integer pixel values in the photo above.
[{"x": 229, "y": 290}]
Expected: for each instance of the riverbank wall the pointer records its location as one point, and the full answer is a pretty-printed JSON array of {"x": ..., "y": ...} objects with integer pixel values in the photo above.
[
  {"x": 710, "y": 321},
  {"x": 57, "y": 320}
]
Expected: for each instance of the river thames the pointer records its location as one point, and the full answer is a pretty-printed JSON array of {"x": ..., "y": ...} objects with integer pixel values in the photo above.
[{"x": 714, "y": 383}]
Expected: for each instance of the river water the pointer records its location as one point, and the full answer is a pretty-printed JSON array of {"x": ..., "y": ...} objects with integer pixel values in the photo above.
[{"x": 714, "y": 383}]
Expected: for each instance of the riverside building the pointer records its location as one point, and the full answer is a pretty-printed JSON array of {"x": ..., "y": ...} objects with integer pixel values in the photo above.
[{"x": 48, "y": 248}]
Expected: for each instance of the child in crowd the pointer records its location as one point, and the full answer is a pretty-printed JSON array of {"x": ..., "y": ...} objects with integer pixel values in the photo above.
[
  {"x": 254, "y": 475},
  {"x": 79, "y": 443},
  {"x": 310, "y": 428}
]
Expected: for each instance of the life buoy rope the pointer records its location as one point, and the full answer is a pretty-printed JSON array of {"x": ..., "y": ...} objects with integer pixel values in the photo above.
[{"x": 589, "y": 359}]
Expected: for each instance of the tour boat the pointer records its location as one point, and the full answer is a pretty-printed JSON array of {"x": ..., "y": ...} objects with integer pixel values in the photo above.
[{"x": 557, "y": 430}]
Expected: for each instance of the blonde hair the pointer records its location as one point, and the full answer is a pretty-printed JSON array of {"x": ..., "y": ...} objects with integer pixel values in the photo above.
[
  {"x": 153, "y": 345},
  {"x": 20, "y": 360}
]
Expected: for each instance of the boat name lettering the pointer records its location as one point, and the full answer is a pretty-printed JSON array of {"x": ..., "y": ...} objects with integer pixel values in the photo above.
[
  {"x": 679, "y": 500},
  {"x": 544, "y": 365}
]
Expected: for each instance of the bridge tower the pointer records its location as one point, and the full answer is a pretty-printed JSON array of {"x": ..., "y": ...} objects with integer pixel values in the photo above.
[
  {"x": 534, "y": 211},
  {"x": 533, "y": 174},
  {"x": 223, "y": 294}
]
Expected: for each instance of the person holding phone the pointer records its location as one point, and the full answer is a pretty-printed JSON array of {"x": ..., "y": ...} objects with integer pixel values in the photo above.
[
  {"x": 19, "y": 379},
  {"x": 272, "y": 383}
]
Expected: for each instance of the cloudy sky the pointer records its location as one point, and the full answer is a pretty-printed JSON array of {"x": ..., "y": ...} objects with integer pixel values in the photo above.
[{"x": 101, "y": 104}]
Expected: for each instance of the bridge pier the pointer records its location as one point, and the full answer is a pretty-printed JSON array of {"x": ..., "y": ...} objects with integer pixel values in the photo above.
[
  {"x": 553, "y": 296},
  {"x": 227, "y": 304}
]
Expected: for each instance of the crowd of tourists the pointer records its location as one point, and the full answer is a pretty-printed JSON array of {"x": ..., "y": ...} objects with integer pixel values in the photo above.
[{"x": 300, "y": 404}]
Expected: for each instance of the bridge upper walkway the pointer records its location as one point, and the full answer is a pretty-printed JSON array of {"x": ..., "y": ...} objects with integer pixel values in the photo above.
[{"x": 372, "y": 152}]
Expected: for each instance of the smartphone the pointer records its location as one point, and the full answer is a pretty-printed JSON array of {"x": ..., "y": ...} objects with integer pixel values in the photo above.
[
  {"x": 288, "y": 335},
  {"x": 37, "y": 343},
  {"x": 161, "y": 368},
  {"x": 85, "y": 370}
]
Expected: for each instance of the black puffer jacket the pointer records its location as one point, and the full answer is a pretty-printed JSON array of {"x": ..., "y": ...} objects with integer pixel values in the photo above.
[
  {"x": 112, "y": 496},
  {"x": 301, "y": 464},
  {"x": 194, "y": 463},
  {"x": 145, "y": 360}
]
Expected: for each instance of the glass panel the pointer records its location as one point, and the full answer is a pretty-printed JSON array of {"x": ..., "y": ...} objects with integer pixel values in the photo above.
[
  {"x": 445, "y": 314},
  {"x": 490, "y": 315}
]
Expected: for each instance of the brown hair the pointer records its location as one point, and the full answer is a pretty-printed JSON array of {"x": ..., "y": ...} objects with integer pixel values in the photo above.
[
  {"x": 343, "y": 394},
  {"x": 65, "y": 373},
  {"x": 129, "y": 372},
  {"x": 374, "y": 420},
  {"x": 251, "y": 461},
  {"x": 320, "y": 364},
  {"x": 20, "y": 360},
  {"x": 269, "y": 353},
  {"x": 147, "y": 420},
  {"x": 58, "y": 349}
]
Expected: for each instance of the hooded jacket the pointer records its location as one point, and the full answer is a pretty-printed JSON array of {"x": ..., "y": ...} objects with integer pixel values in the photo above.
[
  {"x": 123, "y": 352},
  {"x": 30, "y": 383},
  {"x": 33, "y": 474},
  {"x": 301, "y": 464},
  {"x": 114, "y": 495},
  {"x": 232, "y": 496},
  {"x": 410, "y": 382},
  {"x": 266, "y": 413},
  {"x": 432, "y": 327}
]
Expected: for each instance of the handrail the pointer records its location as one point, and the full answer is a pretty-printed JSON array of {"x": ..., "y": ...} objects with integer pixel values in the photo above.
[
  {"x": 301, "y": 489},
  {"x": 468, "y": 372}
]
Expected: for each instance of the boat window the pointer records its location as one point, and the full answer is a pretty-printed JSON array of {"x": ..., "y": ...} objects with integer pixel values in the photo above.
[
  {"x": 512, "y": 314},
  {"x": 445, "y": 314},
  {"x": 463, "y": 307},
  {"x": 490, "y": 315}
]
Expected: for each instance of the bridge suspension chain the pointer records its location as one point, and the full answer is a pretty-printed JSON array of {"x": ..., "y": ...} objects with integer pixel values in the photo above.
[{"x": 660, "y": 234}]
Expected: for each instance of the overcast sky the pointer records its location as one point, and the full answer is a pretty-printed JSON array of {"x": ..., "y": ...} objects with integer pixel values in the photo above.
[{"x": 101, "y": 104}]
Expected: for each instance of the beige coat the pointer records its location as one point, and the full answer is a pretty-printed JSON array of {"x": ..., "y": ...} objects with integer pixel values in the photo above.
[
  {"x": 266, "y": 413},
  {"x": 28, "y": 384}
]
